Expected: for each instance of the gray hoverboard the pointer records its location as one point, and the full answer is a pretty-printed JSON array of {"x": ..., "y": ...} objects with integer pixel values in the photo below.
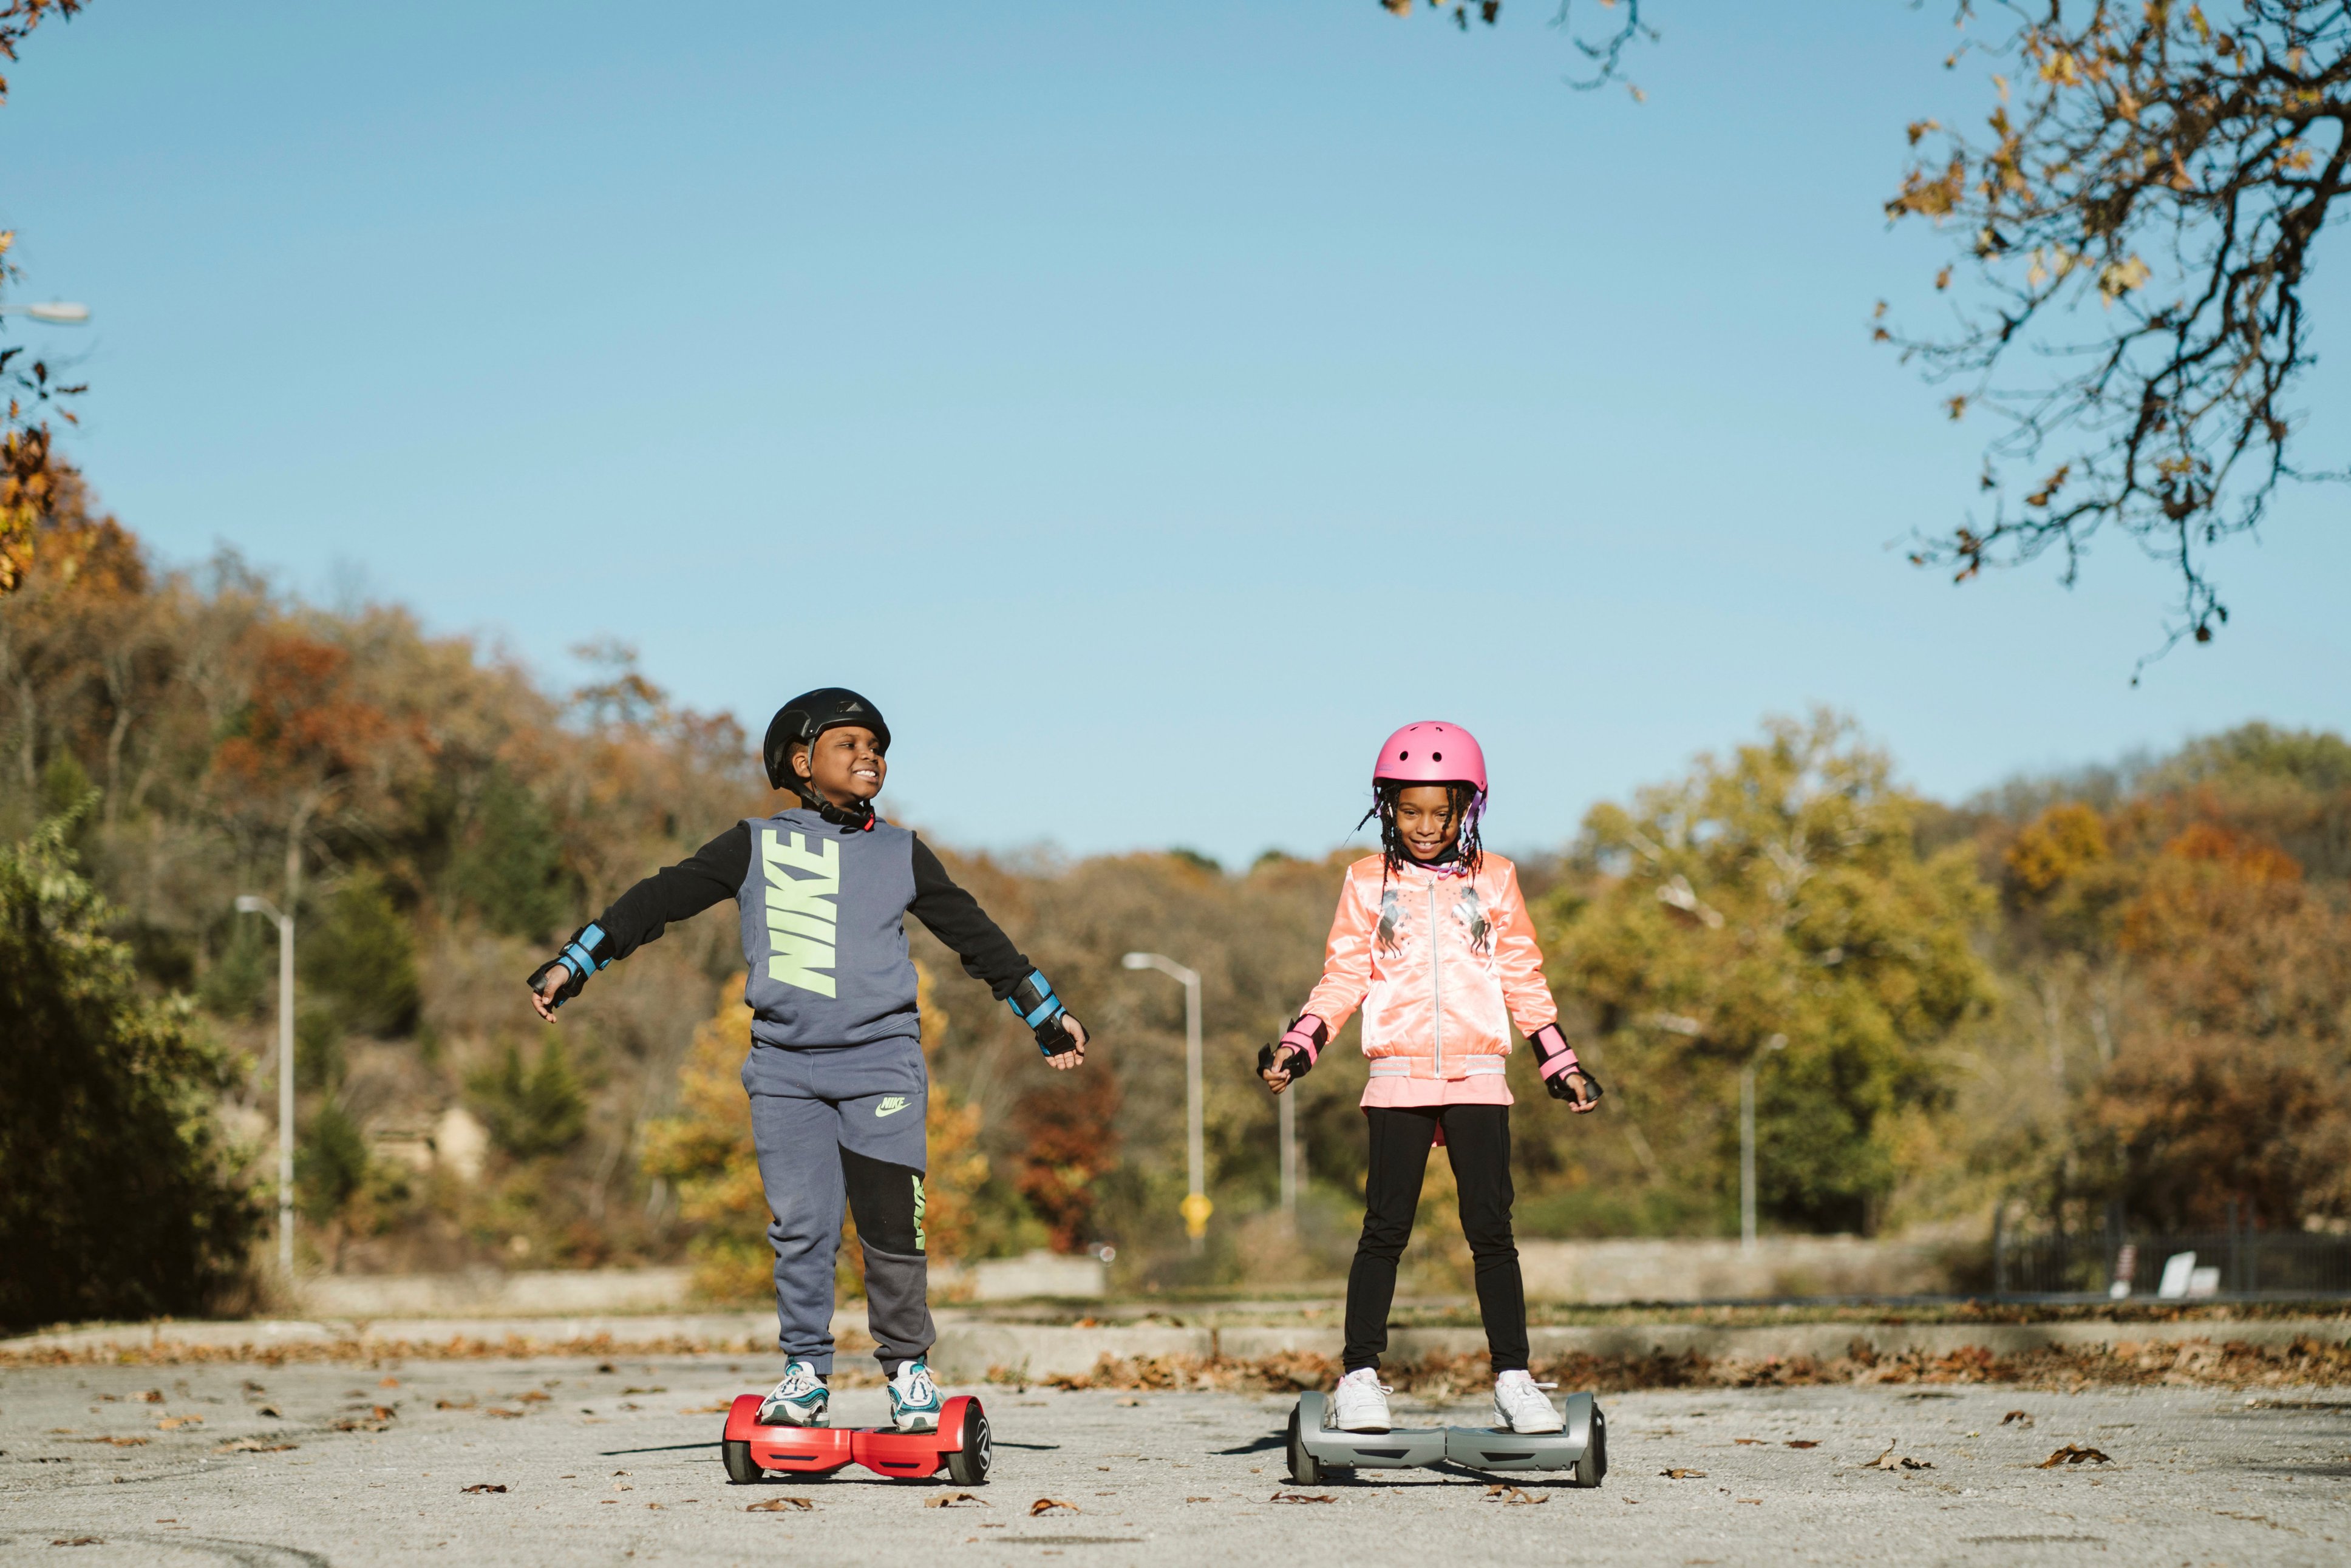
[{"x": 1581, "y": 1447}]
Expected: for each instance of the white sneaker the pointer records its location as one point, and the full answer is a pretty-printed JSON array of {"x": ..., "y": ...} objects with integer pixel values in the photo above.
[
  {"x": 799, "y": 1400},
  {"x": 1519, "y": 1405},
  {"x": 1360, "y": 1403}
]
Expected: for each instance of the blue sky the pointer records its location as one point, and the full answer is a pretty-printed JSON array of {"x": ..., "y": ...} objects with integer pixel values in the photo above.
[{"x": 1149, "y": 405}]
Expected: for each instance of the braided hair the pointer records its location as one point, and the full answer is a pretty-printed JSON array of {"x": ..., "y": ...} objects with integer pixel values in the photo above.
[{"x": 1466, "y": 801}]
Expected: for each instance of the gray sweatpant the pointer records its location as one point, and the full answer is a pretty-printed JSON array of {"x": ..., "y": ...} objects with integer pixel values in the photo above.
[{"x": 842, "y": 1128}]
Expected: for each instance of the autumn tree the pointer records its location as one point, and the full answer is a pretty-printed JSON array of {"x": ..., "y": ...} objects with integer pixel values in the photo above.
[
  {"x": 310, "y": 743},
  {"x": 29, "y": 466},
  {"x": 1772, "y": 901},
  {"x": 2170, "y": 1039}
]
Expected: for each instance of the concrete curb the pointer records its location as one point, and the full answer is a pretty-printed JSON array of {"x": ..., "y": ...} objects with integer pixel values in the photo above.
[
  {"x": 750, "y": 1331},
  {"x": 969, "y": 1349}
]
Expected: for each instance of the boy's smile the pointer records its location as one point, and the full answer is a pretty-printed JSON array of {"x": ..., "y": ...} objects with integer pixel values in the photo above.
[{"x": 844, "y": 763}]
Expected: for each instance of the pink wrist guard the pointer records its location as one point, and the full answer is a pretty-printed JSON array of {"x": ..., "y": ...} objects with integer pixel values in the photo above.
[
  {"x": 1308, "y": 1035},
  {"x": 1553, "y": 1055}
]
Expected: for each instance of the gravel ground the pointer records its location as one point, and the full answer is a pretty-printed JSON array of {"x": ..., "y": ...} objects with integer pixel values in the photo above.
[{"x": 349, "y": 1465}]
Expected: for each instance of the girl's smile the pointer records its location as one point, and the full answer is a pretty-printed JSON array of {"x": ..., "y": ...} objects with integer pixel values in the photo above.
[{"x": 1427, "y": 820}]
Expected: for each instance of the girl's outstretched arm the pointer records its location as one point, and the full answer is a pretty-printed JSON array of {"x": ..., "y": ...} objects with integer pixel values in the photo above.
[{"x": 1518, "y": 958}]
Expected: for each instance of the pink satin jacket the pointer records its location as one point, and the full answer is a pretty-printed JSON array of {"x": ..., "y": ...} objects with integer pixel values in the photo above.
[{"x": 1441, "y": 964}]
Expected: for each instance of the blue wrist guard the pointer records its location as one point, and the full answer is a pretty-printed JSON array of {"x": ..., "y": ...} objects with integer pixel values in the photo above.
[
  {"x": 588, "y": 950},
  {"x": 1033, "y": 1003}
]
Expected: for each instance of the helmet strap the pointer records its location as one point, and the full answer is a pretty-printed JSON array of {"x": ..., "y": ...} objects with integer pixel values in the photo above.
[{"x": 856, "y": 814}]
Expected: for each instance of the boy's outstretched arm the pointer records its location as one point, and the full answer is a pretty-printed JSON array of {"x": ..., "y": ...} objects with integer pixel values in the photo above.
[
  {"x": 955, "y": 918},
  {"x": 710, "y": 875}
]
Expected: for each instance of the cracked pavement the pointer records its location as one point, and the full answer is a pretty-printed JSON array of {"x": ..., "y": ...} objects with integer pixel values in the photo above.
[{"x": 616, "y": 1463}]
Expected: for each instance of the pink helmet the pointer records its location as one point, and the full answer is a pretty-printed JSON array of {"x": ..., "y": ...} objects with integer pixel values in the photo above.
[{"x": 1431, "y": 753}]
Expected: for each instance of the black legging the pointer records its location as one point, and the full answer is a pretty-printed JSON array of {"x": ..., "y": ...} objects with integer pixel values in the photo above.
[{"x": 1477, "y": 1139}]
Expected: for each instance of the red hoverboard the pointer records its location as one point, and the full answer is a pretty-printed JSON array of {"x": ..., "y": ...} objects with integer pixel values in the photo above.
[{"x": 960, "y": 1446}]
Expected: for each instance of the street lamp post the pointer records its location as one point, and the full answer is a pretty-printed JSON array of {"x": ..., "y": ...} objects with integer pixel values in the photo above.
[
  {"x": 1197, "y": 1206},
  {"x": 251, "y": 904},
  {"x": 1289, "y": 1113},
  {"x": 1746, "y": 1143}
]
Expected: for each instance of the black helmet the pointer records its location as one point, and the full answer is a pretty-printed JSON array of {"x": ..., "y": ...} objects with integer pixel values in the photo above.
[{"x": 799, "y": 721}]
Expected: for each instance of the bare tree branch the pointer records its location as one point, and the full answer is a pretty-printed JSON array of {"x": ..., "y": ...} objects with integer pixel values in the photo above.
[
  {"x": 2173, "y": 175},
  {"x": 1607, "y": 54}
]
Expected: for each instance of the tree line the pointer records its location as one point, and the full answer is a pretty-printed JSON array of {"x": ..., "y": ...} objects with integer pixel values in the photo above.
[{"x": 2127, "y": 986}]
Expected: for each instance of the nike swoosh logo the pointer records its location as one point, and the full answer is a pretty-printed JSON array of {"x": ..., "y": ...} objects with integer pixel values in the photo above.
[{"x": 891, "y": 1106}]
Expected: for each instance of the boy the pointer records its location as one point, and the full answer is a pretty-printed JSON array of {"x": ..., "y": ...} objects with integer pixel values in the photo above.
[{"x": 835, "y": 1075}]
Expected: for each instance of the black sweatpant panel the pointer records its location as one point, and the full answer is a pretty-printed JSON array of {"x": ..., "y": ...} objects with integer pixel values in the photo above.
[
  {"x": 1477, "y": 1139},
  {"x": 884, "y": 1199}
]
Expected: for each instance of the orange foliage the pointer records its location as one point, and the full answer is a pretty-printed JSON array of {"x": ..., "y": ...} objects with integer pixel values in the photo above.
[
  {"x": 2203, "y": 1118},
  {"x": 1069, "y": 1143},
  {"x": 304, "y": 723}
]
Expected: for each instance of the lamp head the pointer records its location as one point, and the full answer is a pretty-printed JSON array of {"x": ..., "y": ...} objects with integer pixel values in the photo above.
[
  {"x": 246, "y": 903},
  {"x": 1136, "y": 961}
]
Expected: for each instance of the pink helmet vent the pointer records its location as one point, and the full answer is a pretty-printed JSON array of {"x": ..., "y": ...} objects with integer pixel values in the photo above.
[{"x": 1417, "y": 754}]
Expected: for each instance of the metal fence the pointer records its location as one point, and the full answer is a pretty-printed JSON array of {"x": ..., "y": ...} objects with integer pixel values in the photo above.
[{"x": 2239, "y": 1261}]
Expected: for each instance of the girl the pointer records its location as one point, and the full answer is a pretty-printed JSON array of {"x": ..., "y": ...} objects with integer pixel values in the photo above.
[{"x": 1432, "y": 940}]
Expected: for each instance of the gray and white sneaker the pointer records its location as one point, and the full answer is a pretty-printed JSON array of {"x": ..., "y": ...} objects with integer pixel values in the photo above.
[
  {"x": 1520, "y": 1403},
  {"x": 914, "y": 1402},
  {"x": 799, "y": 1400},
  {"x": 1360, "y": 1403}
]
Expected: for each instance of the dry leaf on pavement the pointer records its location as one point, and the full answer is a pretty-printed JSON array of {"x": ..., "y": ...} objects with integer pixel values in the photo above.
[
  {"x": 1890, "y": 1461},
  {"x": 174, "y": 1423},
  {"x": 253, "y": 1446},
  {"x": 781, "y": 1505},
  {"x": 2072, "y": 1454},
  {"x": 2019, "y": 1417},
  {"x": 1048, "y": 1504},
  {"x": 486, "y": 1486},
  {"x": 1511, "y": 1495},
  {"x": 1302, "y": 1496},
  {"x": 1683, "y": 1474},
  {"x": 1804, "y": 1443},
  {"x": 954, "y": 1498}
]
